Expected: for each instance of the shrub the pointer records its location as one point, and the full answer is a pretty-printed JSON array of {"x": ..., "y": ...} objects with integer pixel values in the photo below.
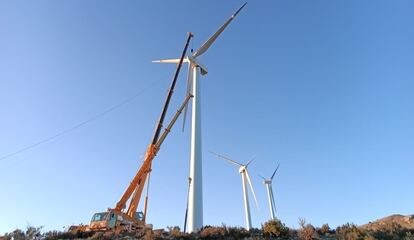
[
  {"x": 16, "y": 235},
  {"x": 209, "y": 232},
  {"x": 30, "y": 233},
  {"x": 391, "y": 231},
  {"x": 255, "y": 233},
  {"x": 236, "y": 232},
  {"x": 275, "y": 228},
  {"x": 158, "y": 234},
  {"x": 174, "y": 231},
  {"x": 350, "y": 232},
  {"x": 33, "y": 232},
  {"x": 306, "y": 231},
  {"x": 324, "y": 229},
  {"x": 149, "y": 235}
]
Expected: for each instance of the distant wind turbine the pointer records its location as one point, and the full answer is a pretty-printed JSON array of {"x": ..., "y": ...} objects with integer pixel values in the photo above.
[
  {"x": 271, "y": 199},
  {"x": 245, "y": 178}
]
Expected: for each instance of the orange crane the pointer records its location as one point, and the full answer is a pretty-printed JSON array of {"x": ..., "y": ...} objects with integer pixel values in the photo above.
[{"x": 117, "y": 219}]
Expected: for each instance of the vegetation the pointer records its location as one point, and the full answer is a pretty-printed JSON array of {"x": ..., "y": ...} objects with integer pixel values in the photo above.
[
  {"x": 384, "y": 229},
  {"x": 275, "y": 228},
  {"x": 306, "y": 231},
  {"x": 324, "y": 230},
  {"x": 351, "y": 232}
]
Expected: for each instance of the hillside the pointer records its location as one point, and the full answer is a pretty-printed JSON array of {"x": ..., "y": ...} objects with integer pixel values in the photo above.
[{"x": 395, "y": 220}]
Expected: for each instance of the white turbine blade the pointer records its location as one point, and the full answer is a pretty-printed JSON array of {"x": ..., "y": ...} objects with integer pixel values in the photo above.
[
  {"x": 250, "y": 161},
  {"x": 251, "y": 188},
  {"x": 262, "y": 177},
  {"x": 176, "y": 60},
  {"x": 228, "y": 159},
  {"x": 213, "y": 38},
  {"x": 189, "y": 89},
  {"x": 271, "y": 178}
]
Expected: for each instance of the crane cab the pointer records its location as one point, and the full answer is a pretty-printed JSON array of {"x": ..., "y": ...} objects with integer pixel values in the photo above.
[
  {"x": 103, "y": 221},
  {"x": 109, "y": 220}
]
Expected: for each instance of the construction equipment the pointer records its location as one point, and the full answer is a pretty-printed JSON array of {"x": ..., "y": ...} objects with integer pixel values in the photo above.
[{"x": 116, "y": 219}]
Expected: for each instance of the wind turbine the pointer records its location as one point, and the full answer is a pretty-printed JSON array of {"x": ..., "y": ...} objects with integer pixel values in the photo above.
[
  {"x": 245, "y": 178},
  {"x": 195, "y": 68},
  {"x": 268, "y": 184}
]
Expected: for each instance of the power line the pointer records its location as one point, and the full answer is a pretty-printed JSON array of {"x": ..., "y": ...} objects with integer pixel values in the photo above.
[{"x": 76, "y": 126}]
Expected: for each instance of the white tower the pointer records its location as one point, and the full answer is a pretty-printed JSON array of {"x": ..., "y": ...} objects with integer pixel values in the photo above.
[{"x": 195, "y": 198}]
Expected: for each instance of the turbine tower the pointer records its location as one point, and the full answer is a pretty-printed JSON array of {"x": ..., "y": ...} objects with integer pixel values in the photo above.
[
  {"x": 195, "y": 68},
  {"x": 271, "y": 199},
  {"x": 245, "y": 178}
]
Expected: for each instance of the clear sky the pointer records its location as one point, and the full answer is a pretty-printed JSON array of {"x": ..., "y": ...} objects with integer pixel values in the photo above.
[{"x": 323, "y": 87}]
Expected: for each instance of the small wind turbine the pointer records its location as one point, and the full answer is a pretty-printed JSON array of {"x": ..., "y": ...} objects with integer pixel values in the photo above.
[
  {"x": 268, "y": 184},
  {"x": 245, "y": 178},
  {"x": 195, "y": 68}
]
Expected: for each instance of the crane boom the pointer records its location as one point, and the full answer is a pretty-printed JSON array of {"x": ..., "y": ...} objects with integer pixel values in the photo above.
[
  {"x": 138, "y": 181},
  {"x": 135, "y": 188},
  {"x": 170, "y": 92}
]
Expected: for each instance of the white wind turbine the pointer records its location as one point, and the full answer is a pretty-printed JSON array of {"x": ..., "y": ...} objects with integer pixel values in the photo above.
[
  {"x": 195, "y": 68},
  {"x": 271, "y": 199},
  {"x": 245, "y": 178}
]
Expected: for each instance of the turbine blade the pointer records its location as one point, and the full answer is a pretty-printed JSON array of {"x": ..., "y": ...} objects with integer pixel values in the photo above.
[
  {"x": 271, "y": 178},
  {"x": 176, "y": 60},
  {"x": 228, "y": 159},
  {"x": 262, "y": 177},
  {"x": 251, "y": 160},
  {"x": 251, "y": 188},
  {"x": 213, "y": 38},
  {"x": 189, "y": 89}
]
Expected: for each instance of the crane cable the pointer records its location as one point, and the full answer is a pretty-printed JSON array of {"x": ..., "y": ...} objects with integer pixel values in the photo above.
[{"x": 80, "y": 124}]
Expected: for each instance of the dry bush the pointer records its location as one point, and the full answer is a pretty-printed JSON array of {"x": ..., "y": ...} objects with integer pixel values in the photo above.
[
  {"x": 236, "y": 232},
  {"x": 256, "y": 233},
  {"x": 16, "y": 235},
  {"x": 351, "y": 232},
  {"x": 224, "y": 232},
  {"x": 392, "y": 231},
  {"x": 275, "y": 228},
  {"x": 176, "y": 233},
  {"x": 158, "y": 234},
  {"x": 209, "y": 232},
  {"x": 324, "y": 230},
  {"x": 33, "y": 232},
  {"x": 149, "y": 235},
  {"x": 306, "y": 231}
]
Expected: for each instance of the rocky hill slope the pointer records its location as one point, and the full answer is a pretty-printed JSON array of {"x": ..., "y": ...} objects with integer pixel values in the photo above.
[{"x": 395, "y": 220}]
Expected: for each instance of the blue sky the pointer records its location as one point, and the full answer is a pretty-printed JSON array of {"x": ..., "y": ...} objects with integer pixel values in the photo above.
[{"x": 323, "y": 87}]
